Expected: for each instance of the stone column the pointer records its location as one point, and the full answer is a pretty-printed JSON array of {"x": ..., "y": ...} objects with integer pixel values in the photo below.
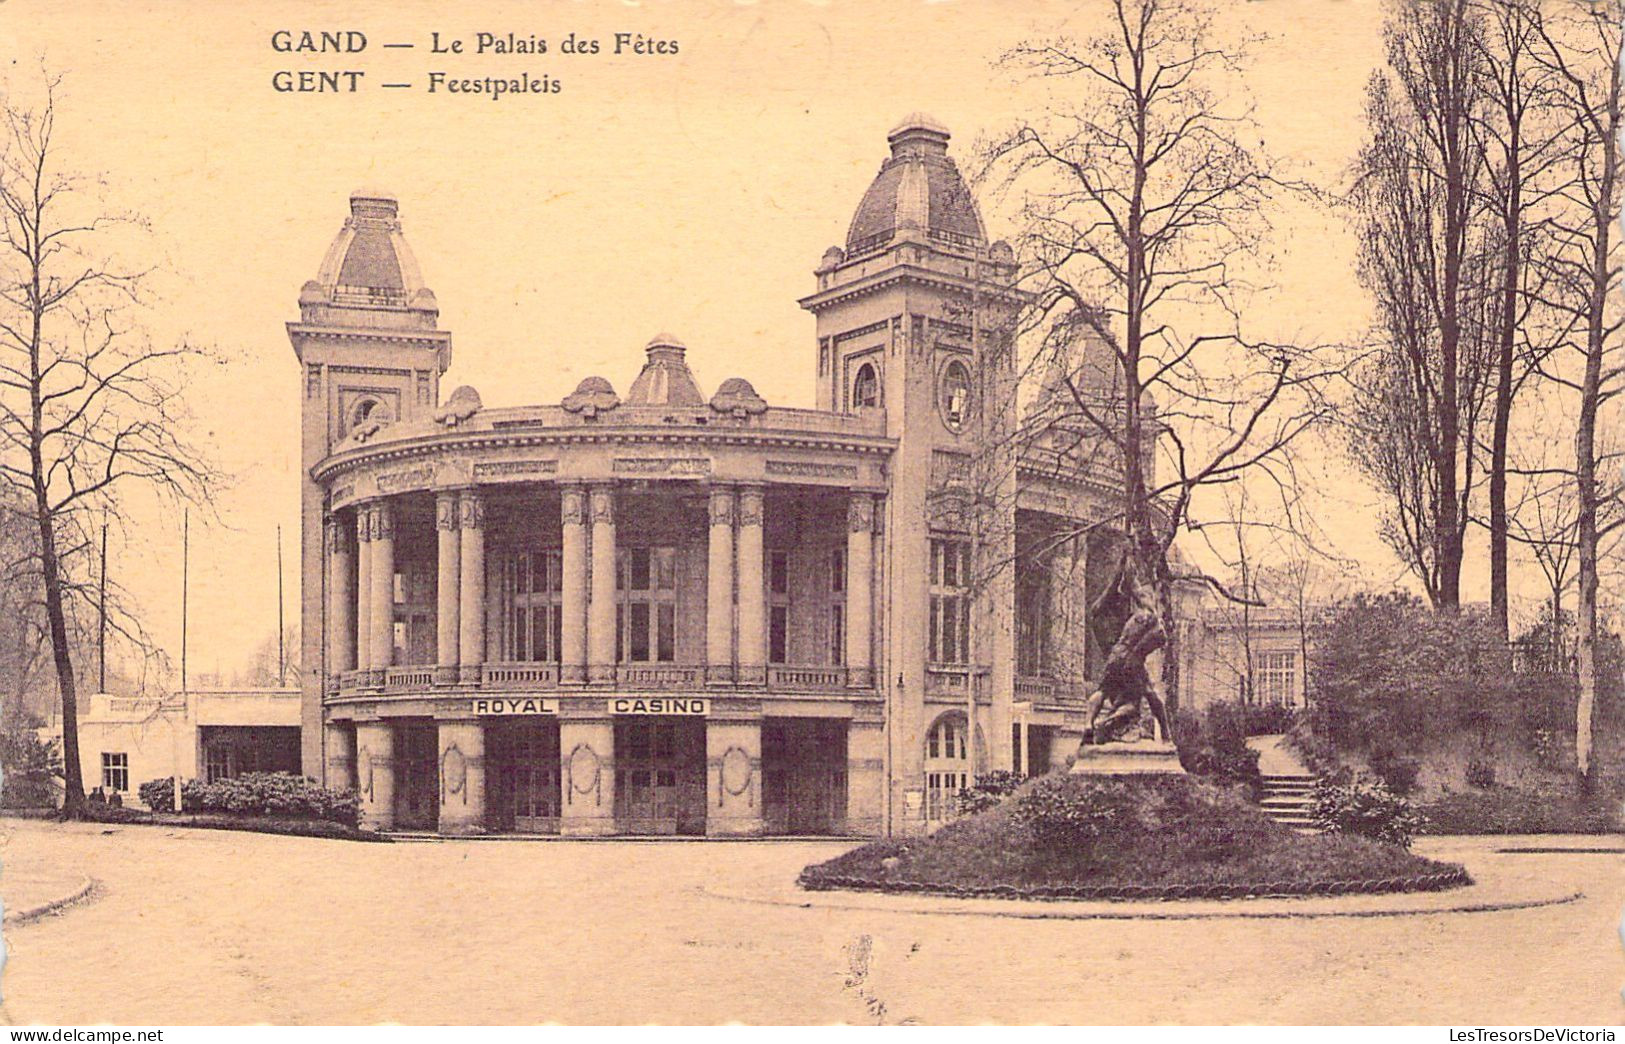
[
  {"x": 338, "y": 742},
  {"x": 860, "y": 589},
  {"x": 573, "y": 630},
  {"x": 446, "y": 592},
  {"x": 382, "y": 613},
  {"x": 462, "y": 777},
  {"x": 471, "y": 587},
  {"x": 601, "y": 619},
  {"x": 865, "y": 778},
  {"x": 375, "y": 773},
  {"x": 719, "y": 590},
  {"x": 340, "y": 601},
  {"x": 586, "y": 777},
  {"x": 363, "y": 589},
  {"x": 1067, "y": 637},
  {"x": 733, "y": 790},
  {"x": 752, "y": 592}
]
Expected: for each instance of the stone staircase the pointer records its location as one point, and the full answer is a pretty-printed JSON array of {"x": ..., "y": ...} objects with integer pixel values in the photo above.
[{"x": 1285, "y": 799}]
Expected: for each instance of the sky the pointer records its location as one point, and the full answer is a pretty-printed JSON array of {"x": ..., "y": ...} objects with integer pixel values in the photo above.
[{"x": 690, "y": 192}]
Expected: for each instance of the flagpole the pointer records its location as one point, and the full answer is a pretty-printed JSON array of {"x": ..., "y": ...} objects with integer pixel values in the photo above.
[
  {"x": 186, "y": 562},
  {"x": 101, "y": 612},
  {"x": 281, "y": 652}
]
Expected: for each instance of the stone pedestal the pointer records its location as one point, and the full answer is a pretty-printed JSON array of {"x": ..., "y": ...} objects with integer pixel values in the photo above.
[
  {"x": 1128, "y": 758},
  {"x": 733, "y": 791},
  {"x": 375, "y": 773},
  {"x": 586, "y": 778},
  {"x": 462, "y": 777}
]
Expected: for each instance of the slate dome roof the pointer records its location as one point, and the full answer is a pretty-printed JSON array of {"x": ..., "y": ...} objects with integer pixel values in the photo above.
[
  {"x": 918, "y": 187},
  {"x": 370, "y": 261}
]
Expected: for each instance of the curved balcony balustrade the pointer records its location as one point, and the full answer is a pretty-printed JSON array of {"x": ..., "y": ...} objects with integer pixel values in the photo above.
[{"x": 792, "y": 680}]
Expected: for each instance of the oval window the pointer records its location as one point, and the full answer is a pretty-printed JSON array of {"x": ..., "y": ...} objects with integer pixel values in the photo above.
[{"x": 955, "y": 394}]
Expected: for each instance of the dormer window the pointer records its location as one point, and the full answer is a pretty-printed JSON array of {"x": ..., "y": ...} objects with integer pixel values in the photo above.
[{"x": 866, "y": 387}]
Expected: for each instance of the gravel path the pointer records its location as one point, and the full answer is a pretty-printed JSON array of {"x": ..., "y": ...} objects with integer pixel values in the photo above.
[{"x": 213, "y": 926}]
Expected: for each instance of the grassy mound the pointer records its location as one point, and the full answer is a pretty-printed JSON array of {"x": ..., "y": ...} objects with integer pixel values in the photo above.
[{"x": 1140, "y": 836}]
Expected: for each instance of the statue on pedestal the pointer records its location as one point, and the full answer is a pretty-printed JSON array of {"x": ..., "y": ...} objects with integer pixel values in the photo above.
[{"x": 1127, "y": 622}]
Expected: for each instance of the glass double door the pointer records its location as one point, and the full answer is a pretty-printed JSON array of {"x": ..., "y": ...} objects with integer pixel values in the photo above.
[
  {"x": 659, "y": 775},
  {"x": 522, "y": 759}
]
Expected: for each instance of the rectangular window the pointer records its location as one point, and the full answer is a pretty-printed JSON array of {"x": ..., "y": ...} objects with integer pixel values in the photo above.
[
  {"x": 837, "y": 634},
  {"x": 116, "y": 771},
  {"x": 837, "y": 570},
  {"x": 779, "y": 572},
  {"x": 530, "y": 590},
  {"x": 948, "y": 640},
  {"x": 666, "y": 634},
  {"x": 638, "y": 632},
  {"x": 778, "y": 634},
  {"x": 216, "y": 762},
  {"x": 646, "y": 619},
  {"x": 1276, "y": 677}
]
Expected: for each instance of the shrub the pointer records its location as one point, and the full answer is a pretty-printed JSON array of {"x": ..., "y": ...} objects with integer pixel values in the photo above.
[
  {"x": 988, "y": 791},
  {"x": 1480, "y": 773},
  {"x": 1397, "y": 772},
  {"x": 1267, "y": 719},
  {"x": 1389, "y": 669},
  {"x": 1059, "y": 815},
  {"x": 30, "y": 765},
  {"x": 280, "y": 794},
  {"x": 1214, "y": 744},
  {"x": 158, "y": 794},
  {"x": 1366, "y": 808}
]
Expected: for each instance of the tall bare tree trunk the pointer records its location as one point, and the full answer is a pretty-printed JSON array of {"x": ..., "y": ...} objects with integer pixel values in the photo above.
[
  {"x": 1585, "y": 453},
  {"x": 73, "y": 784}
]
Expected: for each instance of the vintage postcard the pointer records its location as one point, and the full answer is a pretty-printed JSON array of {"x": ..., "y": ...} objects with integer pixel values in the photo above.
[{"x": 809, "y": 513}]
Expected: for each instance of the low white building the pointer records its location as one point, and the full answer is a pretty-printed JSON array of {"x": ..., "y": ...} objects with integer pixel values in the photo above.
[{"x": 207, "y": 733}]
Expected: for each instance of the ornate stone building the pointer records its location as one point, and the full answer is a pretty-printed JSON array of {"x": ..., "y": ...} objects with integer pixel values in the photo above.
[{"x": 670, "y": 612}]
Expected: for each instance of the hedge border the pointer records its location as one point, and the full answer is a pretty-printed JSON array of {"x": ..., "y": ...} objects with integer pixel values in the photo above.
[{"x": 1453, "y": 877}]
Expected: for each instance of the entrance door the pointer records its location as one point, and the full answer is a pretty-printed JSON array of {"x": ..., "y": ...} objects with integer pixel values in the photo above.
[
  {"x": 660, "y": 775},
  {"x": 523, "y": 755},
  {"x": 803, "y": 775},
  {"x": 417, "y": 776}
]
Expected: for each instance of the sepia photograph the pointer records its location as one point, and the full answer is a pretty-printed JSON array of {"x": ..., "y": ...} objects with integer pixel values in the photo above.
[{"x": 812, "y": 513}]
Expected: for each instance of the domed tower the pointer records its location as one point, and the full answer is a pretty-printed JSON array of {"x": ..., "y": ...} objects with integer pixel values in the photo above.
[
  {"x": 372, "y": 353},
  {"x": 914, "y": 320}
]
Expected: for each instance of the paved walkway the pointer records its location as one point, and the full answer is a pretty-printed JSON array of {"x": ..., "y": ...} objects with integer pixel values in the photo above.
[
  {"x": 258, "y": 928},
  {"x": 1275, "y": 758}
]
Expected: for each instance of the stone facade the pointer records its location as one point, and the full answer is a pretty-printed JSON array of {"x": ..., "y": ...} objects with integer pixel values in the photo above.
[{"x": 672, "y": 613}]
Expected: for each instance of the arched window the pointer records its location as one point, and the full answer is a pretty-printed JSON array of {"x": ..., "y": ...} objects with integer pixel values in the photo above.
[
  {"x": 365, "y": 410},
  {"x": 947, "y": 766},
  {"x": 866, "y": 387},
  {"x": 954, "y": 394}
]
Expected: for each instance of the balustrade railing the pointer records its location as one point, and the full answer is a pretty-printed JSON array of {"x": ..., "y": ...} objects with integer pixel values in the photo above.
[
  {"x": 527, "y": 674},
  {"x": 807, "y": 679},
  {"x": 404, "y": 678},
  {"x": 660, "y": 676},
  {"x": 520, "y": 675}
]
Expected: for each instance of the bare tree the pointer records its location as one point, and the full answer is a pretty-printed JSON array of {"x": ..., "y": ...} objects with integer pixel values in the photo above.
[
  {"x": 1543, "y": 518},
  {"x": 1146, "y": 197},
  {"x": 1513, "y": 128},
  {"x": 1581, "y": 51},
  {"x": 90, "y": 409},
  {"x": 1426, "y": 260}
]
